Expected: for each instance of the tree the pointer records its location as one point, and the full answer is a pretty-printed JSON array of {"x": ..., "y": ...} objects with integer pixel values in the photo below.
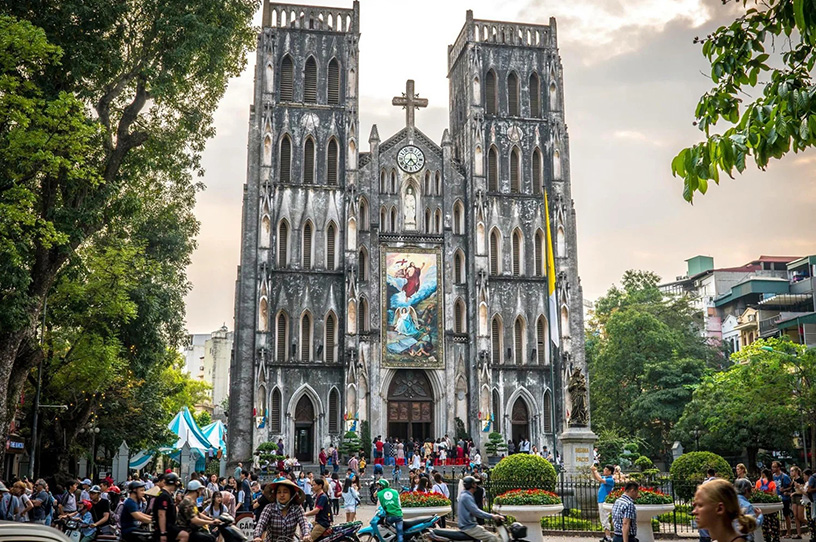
[
  {"x": 783, "y": 115},
  {"x": 100, "y": 106},
  {"x": 645, "y": 356}
]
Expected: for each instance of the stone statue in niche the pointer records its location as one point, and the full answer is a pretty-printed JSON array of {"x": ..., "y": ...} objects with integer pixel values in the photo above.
[
  {"x": 577, "y": 387},
  {"x": 409, "y": 209}
]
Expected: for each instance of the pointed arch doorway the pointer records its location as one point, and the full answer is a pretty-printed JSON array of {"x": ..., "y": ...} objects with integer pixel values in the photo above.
[
  {"x": 520, "y": 420},
  {"x": 410, "y": 405},
  {"x": 304, "y": 430}
]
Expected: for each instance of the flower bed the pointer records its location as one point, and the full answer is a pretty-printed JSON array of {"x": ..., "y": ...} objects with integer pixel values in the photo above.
[
  {"x": 762, "y": 497},
  {"x": 527, "y": 497},
  {"x": 416, "y": 499},
  {"x": 646, "y": 496}
]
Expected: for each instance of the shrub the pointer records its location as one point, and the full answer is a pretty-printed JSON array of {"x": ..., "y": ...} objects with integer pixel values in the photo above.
[
  {"x": 690, "y": 469},
  {"x": 415, "y": 499},
  {"x": 525, "y": 468},
  {"x": 643, "y": 463},
  {"x": 521, "y": 497},
  {"x": 568, "y": 523},
  {"x": 495, "y": 444},
  {"x": 762, "y": 497},
  {"x": 350, "y": 444},
  {"x": 646, "y": 496}
]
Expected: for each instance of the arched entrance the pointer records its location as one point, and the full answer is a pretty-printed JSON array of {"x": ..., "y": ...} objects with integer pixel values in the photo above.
[
  {"x": 520, "y": 420},
  {"x": 304, "y": 430},
  {"x": 410, "y": 405}
]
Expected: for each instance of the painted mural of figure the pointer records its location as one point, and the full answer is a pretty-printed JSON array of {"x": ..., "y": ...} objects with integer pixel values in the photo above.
[
  {"x": 405, "y": 322},
  {"x": 412, "y": 279}
]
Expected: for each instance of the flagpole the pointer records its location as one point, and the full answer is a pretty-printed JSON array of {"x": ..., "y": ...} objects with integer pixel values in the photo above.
[{"x": 552, "y": 297}]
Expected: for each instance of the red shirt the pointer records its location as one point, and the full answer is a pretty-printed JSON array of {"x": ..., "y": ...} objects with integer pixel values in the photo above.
[
  {"x": 322, "y": 458},
  {"x": 379, "y": 445}
]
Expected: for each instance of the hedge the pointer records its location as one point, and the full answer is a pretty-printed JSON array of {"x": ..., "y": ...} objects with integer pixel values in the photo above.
[
  {"x": 529, "y": 468},
  {"x": 689, "y": 470}
]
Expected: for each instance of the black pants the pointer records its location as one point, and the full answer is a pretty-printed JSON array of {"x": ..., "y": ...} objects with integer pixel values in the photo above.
[
  {"x": 201, "y": 536},
  {"x": 335, "y": 504}
]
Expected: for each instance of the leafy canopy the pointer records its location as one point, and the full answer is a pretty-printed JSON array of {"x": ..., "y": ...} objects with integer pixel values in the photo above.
[{"x": 782, "y": 116}]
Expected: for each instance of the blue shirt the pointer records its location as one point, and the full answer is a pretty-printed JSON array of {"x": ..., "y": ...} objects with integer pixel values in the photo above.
[
  {"x": 126, "y": 520},
  {"x": 782, "y": 480},
  {"x": 747, "y": 509},
  {"x": 467, "y": 511},
  {"x": 606, "y": 488}
]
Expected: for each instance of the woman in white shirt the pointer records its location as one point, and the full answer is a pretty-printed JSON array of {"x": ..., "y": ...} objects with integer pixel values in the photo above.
[
  {"x": 351, "y": 498},
  {"x": 415, "y": 462}
]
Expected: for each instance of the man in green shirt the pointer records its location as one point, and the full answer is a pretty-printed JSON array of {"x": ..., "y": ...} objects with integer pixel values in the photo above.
[{"x": 389, "y": 499}]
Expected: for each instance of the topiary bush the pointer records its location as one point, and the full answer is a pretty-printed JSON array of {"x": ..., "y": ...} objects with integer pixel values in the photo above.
[
  {"x": 495, "y": 444},
  {"x": 643, "y": 463},
  {"x": 524, "y": 468},
  {"x": 689, "y": 470}
]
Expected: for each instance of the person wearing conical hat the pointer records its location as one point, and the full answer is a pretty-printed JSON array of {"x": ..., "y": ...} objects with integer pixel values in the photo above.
[{"x": 283, "y": 515}]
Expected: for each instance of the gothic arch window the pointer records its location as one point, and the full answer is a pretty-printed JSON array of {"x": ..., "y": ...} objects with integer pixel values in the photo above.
[
  {"x": 540, "y": 254},
  {"x": 332, "y": 156},
  {"x": 564, "y": 321},
  {"x": 334, "y": 82},
  {"x": 283, "y": 244},
  {"x": 496, "y": 338},
  {"x": 458, "y": 218},
  {"x": 270, "y": 80},
  {"x": 306, "y": 245},
  {"x": 428, "y": 183},
  {"x": 383, "y": 186},
  {"x": 331, "y": 245},
  {"x": 557, "y": 165},
  {"x": 363, "y": 263},
  {"x": 492, "y": 170},
  {"x": 287, "y": 79},
  {"x": 351, "y": 234},
  {"x": 438, "y": 221},
  {"x": 275, "y": 412},
  {"x": 515, "y": 170},
  {"x": 495, "y": 252},
  {"x": 310, "y": 81},
  {"x": 459, "y": 317},
  {"x": 512, "y": 95},
  {"x": 438, "y": 183},
  {"x": 477, "y": 91},
  {"x": 309, "y": 161},
  {"x": 285, "y": 162},
  {"x": 518, "y": 252},
  {"x": 330, "y": 338},
  {"x": 263, "y": 314},
  {"x": 535, "y": 95},
  {"x": 334, "y": 411},
  {"x": 480, "y": 238},
  {"x": 365, "y": 219},
  {"x": 538, "y": 179},
  {"x": 478, "y": 161},
  {"x": 547, "y": 412},
  {"x": 561, "y": 242},
  {"x": 518, "y": 340},
  {"x": 496, "y": 411},
  {"x": 306, "y": 333},
  {"x": 383, "y": 219},
  {"x": 363, "y": 315},
  {"x": 267, "y": 151},
  {"x": 351, "y": 317},
  {"x": 459, "y": 267},
  {"x": 491, "y": 101},
  {"x": 542, "y": 339},
  {"x": 393, "y": 181},
  {"x": 553, "y": 97},
  {"x": 266, "y": 230},
  {"x": 393, "y": 219},
  {"x": 427, "y": 220},
  {"x": 352, "y": 155},
  {"x": 281, "y": 336}
]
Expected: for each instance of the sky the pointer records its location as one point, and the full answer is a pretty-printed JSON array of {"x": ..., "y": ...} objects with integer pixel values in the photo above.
[{"x": 632, "y": 78}]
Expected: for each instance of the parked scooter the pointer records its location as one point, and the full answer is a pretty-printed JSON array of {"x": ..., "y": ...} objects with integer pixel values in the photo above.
[
  {"x": 345, "y": 532},
  {"x": 378, "y": 531},
  {"x": 515, "y": 532},
  {"x": 228, "y": 531}
]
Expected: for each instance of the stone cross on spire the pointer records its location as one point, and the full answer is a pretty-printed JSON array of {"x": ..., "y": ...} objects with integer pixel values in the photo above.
[{"x": 410, "y": 101}]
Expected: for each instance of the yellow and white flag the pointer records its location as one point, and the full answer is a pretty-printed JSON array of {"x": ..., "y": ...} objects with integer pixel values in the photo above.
[{"x": 555, "y": 334}]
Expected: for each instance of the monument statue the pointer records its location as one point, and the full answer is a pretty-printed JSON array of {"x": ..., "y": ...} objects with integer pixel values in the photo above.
[
  {"x": 409, "y": 214},
  {"x": 577, "y": 387}
]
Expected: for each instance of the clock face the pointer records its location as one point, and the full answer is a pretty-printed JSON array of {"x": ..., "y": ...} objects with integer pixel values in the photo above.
[{"x": 410, "y": 159}]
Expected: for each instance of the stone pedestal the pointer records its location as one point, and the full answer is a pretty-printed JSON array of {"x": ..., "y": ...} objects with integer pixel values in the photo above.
[{"x": 577, "y": 445}]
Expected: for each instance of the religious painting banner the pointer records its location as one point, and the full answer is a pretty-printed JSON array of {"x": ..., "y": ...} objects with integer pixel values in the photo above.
[{"x": 412, "y": 315}]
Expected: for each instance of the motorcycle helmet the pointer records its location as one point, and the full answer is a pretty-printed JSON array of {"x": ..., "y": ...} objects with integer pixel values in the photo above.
[
  {"x": 194, "y": 485},
  {"x": 383, "y": 483},
  {"x": 518, "y": 531},
  {"x": 469, "y": 482},
  {"x": 172, "y": 479},
  {"x": 134, "y": 485}
]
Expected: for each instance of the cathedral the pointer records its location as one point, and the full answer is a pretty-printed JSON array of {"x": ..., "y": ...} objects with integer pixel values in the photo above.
[{"x": 406, "y": 283}]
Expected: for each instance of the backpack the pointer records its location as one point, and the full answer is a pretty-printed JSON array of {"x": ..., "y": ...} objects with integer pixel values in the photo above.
[
  {"x": 6, "y": 508},
  {"x": 338, "y": 490},
  {"x": 117, "y": 514}
]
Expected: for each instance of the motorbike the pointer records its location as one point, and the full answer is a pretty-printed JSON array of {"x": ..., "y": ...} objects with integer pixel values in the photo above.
[
  {"x": 515, "y": 532},
  {"x": 72, "y": 528},
  {"x": 344, "y": 532},
  {"x": 228, "y": 531},
  {"x": 378, "y": 531}
]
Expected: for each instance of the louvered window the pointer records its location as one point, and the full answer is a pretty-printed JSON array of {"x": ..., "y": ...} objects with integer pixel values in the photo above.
[
  {"x": 330, "y": 242},
  {"x": 362, "y": 316},
  {"x": 306, "y": 338},
  {"x": 492, "y": 170},
  {"x": 363, "y": 262},
  {"x": 457, "y": 218},
  {"x": 334, "y": 82},
  {"x": 547, "y": 413},
  {"x": 515, "y": 177},
  {"x": 308, "y": 161},
  {"x": 490, "y": 93},
  {"x": 310, "y": 81},
  {"x": 307, "y": 246},
  {"x": 283, "y": 244},
  {"x": 494, "y": 253},
  {"x": 541, "y": 340},
  {"x": 538, "y": 182},
  {"x": 535, "y": 96},
  {"x": 331, "y": 326},
  {"x": 334, "y": 412},
  {"x": 287, "y": 77},
  {"x": 517, "y": 253},
  {"x": 495, "y": 336},
  {"x": 539, "y": 254},
  {"x": 459, "y": 317},
  {"x": 512, "y": 95},
  {"x": 457, "y": 268},
  {"x": 275, "y": 415},
  {"x": 331, "y": 163},
  {"x": 518, "y": 341},
  {"x": 281, "y": 341},
  {"x": 286, "y": 160}
]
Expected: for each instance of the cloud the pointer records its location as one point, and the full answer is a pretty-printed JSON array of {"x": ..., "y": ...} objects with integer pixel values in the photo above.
[{"x": 636, "y": 137}]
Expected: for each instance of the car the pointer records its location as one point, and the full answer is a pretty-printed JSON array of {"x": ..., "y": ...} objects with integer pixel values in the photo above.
[{"x": 11, "y": 531}]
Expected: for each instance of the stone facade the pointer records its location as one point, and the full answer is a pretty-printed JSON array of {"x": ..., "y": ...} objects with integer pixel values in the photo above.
[{"x": 331, "y": 328}]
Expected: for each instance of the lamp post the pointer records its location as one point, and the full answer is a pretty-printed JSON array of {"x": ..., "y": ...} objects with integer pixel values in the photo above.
[{"x": 93, "y": 430}]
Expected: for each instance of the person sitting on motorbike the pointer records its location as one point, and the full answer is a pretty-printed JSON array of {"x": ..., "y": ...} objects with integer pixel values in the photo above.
[
  {"x": 190, "y": 519},
  {"x": 467, "y": 512},
  {"x": 133, "y": 513},
  {"x": 83, "y": 515},
  {"x": 281, "y": 517},
  {"x": 322, "y": 510},
  {"x": 389, "y": 499}
]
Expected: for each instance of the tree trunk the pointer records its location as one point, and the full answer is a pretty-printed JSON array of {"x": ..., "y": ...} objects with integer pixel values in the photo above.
[
  {"x": 812, "y": 447},
  {"x": 752, "y": 458},
  {"x": 9, "y": 345}
]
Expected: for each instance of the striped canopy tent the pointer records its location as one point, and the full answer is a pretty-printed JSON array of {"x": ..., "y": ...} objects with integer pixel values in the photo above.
[
  {"x": 216, "y": 433},
  {"x": 140, "y": 460},
  {"x": 190, "y": 433}
]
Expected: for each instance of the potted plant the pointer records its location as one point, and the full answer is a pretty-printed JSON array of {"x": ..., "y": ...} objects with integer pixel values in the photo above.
[
  {"x": 529, "y": 505},
  {"x": 650, "y": 503},
  {"x": 416, "y": 504},
  {"x": 768, "y": 503},
  {"x": 494, "y": 446}
]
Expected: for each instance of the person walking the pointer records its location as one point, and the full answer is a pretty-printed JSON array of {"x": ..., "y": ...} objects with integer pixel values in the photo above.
[
  {"x": 784, "y": 488},
  {"x": 442, "y": 488},
  {"x": 467, "y": 512},
  {"x": 323, "y": 459},
  {"x": 796, "y": 500},
  {"x": 389, "y": 499},
  {"x": 744, "y": 489},
  {"x": 607, "y": 485},
  {"x": 717, "y": 509},
  {"x": 351, "y": 499},
  {"x": 770, "y": 527},
  {"x": 624, "y": 514},
  {"x": 335, "y": 491},
  {"x": 400, "y": 452}
]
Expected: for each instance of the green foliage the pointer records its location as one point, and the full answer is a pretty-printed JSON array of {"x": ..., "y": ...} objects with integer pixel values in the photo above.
[
  {"x": 350, "y": 444},
  {"x": 461, "y": 432},
  {"x": 202, "y": 418},
  {"x": 527, "y": 497},
  {"x": 690, "y": 469},
  {"x": 526, "y": 468},
  {"x": 268, "y": 451},
  {"x": 495, "y": 444},
  {"x": 762, "y": 497},
  {"x": 781, "y": 117},
  {"x": 574, "y": 521},
  {"x": 645, "y": 359},
  {"x": 365, "y": 437},
  {"x": 643, "y": 463},
  {"x": 646, "y": 495}
]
